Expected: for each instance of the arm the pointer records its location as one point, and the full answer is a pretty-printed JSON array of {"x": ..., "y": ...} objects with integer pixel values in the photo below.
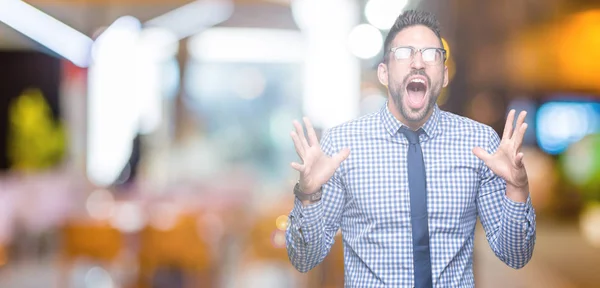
[
  {"x": 509, "y": 225},
  {"x": 312, "y": 228}
]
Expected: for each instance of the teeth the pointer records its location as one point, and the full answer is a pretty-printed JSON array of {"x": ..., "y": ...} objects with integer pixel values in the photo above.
[{"x": 417, "y": 80}]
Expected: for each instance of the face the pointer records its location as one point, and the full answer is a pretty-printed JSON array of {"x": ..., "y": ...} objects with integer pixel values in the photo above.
[{"x": 413, "y": 85}]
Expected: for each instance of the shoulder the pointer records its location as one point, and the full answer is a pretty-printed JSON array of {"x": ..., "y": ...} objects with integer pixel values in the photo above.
[
  {"x": 354, "y": 129},
  {"x": 464, "y": 126}
]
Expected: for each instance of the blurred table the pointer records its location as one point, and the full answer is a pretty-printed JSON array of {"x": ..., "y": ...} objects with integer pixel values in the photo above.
[{"x": 561, "y": 259}]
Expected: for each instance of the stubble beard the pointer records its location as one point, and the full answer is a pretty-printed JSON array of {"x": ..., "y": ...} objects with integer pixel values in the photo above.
[{"x": 398, "y": 93}]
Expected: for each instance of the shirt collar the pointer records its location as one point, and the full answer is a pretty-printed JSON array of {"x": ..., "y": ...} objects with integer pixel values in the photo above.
[{"x": 392, "y": 124}]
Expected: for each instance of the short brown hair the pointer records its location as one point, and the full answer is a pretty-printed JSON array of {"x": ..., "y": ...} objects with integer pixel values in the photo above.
[{"x": 407, "y": 19}]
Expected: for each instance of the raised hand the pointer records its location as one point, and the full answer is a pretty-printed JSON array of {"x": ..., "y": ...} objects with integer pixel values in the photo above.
[
  {"x": 507, "y": 161},
  {"x": 317, "y": 167}
]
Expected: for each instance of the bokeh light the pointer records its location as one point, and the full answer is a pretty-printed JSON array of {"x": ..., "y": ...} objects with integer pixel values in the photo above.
[
  {"x": 98, "y": 277},
  {"x": 278, "y": 239},
  {"x": 581, "y": 165},
  {"x": 128, "y": 217},
  {"x": 100, "y": 204},
  {"x": 282, "y": 222},
  {"x": 163, "y": 216},
  {"x": 383, "y": 13},
  {"x": 590, "y": 224},
  {"x": 365, "y": 41},
  {"x": 563, "y": 123}
]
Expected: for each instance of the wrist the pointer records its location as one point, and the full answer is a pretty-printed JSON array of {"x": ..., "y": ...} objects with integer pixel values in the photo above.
[
  {"x": 306, "y": 198},
  {"x": 306, "y": 190},
  {"x": 306, "y": 203},
  {"x": 517, "y": 193}
]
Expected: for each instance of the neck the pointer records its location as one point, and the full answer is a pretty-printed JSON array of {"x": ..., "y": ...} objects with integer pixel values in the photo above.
[{"x": 413, "y": 125}]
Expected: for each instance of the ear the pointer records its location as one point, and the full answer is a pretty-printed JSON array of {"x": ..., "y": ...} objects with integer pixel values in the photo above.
[
  {"x": 445, "y": 76},
  {"x": 382, "y": 74}
]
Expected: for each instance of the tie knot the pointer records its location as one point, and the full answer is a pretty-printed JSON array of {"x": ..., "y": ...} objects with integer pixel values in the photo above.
[{"x": 412, "y": 136}]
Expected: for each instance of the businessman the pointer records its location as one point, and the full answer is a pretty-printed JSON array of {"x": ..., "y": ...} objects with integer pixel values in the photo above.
[{"x": 406, "y": 184}]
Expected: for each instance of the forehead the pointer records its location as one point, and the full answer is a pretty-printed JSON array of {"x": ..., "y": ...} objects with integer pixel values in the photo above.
[{"x": 417, "y": 36}]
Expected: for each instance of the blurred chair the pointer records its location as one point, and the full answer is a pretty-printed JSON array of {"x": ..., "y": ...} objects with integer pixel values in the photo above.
[
  {"x": 178, "y": 249},
  {"x": 3, "y": 255},
  {"x": 266, "y": 242},
  {"x": 91, "y": 240},
  {"x": 265, "y": 260}
]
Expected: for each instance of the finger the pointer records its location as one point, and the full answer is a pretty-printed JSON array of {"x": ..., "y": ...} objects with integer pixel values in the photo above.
[
  {"x": 508, "y": 126},
  {"x": 519, "y": 135},
  {"x": 520, "y": 121},
  {"x": 341, "y": 156},
  {"x": 297, "y": 144},
  {"x": 310, "y": 131},
  {"x": 298, "y": 167},
  {"x": 519, "y": 159},
  {"x": 482, "y": 154},
  {"x": 300, "y": 133}
]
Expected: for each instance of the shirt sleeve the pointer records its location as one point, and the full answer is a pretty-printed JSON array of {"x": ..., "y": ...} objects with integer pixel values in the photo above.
[
  {"x": 312, "y": 229},
  {"x": 509, "y": 226}
]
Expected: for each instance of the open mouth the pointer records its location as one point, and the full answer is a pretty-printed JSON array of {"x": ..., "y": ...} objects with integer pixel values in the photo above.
[{"x": 416, "y": 90}]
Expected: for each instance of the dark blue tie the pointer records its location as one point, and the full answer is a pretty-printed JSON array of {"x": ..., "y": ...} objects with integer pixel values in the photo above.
[{"x": 418, "y": 209}]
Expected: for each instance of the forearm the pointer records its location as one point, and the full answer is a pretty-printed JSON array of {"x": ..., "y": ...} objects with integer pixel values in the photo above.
[
  {"x": 514, "y": 240},
  {"x": 306, "y": 239}
]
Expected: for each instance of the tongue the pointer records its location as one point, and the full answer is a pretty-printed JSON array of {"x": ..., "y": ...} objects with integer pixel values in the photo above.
[{"x": 416, "y": 95}]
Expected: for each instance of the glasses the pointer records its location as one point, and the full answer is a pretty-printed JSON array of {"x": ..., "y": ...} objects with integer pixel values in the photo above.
[{"x": 430, "y": 56}]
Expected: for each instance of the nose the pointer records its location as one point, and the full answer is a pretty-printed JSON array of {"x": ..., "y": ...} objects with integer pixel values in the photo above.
[{"x": 417, "y": 61}]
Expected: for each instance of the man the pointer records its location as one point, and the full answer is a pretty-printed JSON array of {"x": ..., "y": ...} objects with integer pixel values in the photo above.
[{"x": 406, "y": 184}]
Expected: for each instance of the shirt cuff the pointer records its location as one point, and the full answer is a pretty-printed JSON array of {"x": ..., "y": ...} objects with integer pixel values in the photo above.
[
  {"x": 306, "y": 218},
  {"x": 517, "y": 211},
  {"x": 307, "y": 214}
]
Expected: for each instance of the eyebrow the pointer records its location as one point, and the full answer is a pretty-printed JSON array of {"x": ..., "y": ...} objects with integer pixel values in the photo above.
[{"x": 416, "y": 46}]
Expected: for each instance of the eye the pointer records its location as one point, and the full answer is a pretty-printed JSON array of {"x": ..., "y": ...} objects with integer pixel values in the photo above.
[
  {"x": 431, "y": 55},
  {"x": 403, "y": 53}
]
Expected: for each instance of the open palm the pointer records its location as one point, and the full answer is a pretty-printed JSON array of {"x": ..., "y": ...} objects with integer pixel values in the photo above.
[
  {"x": 507, "y": 161},
  {"x": 317, "y": 167}
]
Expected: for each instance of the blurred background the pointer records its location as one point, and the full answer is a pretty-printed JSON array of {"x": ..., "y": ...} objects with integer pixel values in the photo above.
[{"x": 145, "y": 143}]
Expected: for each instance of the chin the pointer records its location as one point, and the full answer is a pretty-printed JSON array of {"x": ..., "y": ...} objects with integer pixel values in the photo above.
[{"x": 415, "y": 115}]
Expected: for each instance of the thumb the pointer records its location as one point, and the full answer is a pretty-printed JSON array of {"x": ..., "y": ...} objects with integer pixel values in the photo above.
[
  {"x": 341, "y": 156},
  {"x": 519, "y": 159},
  {"x": 482, "y": 154}
]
